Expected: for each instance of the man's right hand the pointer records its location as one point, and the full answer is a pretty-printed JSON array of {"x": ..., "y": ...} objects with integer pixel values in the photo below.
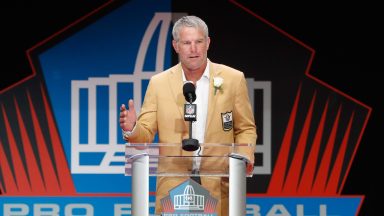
[{"x": 128, "y": 116}]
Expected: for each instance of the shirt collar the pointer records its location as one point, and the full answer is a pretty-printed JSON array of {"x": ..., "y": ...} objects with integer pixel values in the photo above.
[{"x": 205, "y": 74}]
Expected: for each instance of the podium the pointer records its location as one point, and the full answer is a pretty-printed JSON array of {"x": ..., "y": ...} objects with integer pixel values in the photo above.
[{"x": 169, "y": 159}]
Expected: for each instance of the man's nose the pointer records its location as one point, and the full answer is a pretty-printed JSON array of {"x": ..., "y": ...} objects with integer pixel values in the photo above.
[{"x": 193, "y": 47}]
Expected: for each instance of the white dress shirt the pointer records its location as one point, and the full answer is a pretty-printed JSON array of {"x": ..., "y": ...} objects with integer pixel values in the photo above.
[{"x": 198, "y": 127}]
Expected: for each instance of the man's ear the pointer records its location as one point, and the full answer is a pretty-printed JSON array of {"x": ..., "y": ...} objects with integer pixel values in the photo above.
[
  {"x": 175, "y": 47},
  {"x": 208, "y": 42}
]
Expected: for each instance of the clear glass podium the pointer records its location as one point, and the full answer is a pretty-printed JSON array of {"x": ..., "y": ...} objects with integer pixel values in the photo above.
[{"x": 169, "y": 159}]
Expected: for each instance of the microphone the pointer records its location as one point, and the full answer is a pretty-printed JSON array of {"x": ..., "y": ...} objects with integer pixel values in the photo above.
[
  {"x": 189, "y": 88},
  {"x": 189, "y": 91}
]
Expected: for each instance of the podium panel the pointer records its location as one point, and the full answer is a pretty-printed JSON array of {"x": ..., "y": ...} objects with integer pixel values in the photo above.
[{"x": 170, "y": 160}]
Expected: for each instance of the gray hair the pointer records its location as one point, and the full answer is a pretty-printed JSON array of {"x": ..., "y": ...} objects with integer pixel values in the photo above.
[{"x": 189, "y": 21}]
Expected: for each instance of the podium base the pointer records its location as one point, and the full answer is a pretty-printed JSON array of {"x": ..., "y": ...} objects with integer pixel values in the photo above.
[{"x": 190, "y": 144}]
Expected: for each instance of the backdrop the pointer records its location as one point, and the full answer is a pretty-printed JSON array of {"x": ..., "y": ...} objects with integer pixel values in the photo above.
[{"x": 307, "y": 70}]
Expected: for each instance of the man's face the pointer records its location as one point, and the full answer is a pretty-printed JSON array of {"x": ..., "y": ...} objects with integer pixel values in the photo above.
[{"x": 192, "y": 48}]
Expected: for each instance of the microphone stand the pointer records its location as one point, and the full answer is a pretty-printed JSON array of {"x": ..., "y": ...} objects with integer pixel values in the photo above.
[{"x": 190, "y": 144}]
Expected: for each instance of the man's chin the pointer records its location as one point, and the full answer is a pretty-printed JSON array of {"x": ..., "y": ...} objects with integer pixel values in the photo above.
[{"x": 194, "y": 65}]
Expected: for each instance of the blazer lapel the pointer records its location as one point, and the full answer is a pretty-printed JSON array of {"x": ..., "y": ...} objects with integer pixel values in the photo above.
[
  {"x": 212, "y": 97},
  {"x": 176, "y": 83}
]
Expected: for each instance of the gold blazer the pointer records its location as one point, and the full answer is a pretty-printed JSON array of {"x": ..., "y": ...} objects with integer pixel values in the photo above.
[{"x": 163, "y": 113}]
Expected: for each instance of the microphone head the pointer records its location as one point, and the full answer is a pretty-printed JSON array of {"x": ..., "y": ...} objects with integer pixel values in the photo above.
[{"x": 189, "y": 91}]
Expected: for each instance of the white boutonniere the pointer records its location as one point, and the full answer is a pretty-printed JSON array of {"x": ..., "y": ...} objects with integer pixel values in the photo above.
[{"x": 217, "y": 83}]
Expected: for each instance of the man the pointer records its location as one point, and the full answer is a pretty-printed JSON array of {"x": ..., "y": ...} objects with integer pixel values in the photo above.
[{"x": 224, "y": 113}]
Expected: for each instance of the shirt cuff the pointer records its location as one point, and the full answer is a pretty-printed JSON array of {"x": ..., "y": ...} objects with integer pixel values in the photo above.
[{"x": 127, "y": 134}]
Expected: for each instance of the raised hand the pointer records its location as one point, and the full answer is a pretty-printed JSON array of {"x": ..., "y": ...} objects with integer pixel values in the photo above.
[{"x": 128, "y": 116}]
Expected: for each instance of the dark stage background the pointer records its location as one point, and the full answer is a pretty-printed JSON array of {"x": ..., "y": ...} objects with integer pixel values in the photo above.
[{"x": 342, "y": 34}]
